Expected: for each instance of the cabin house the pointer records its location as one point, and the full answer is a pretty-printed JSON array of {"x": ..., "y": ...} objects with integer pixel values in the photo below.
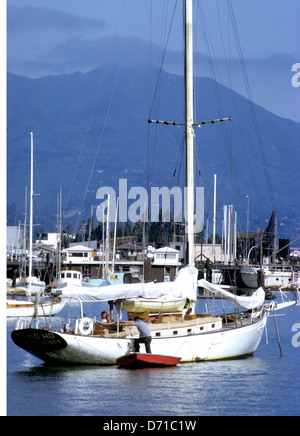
[
  {"x": 78, "y": 254},
  {"x": 163, "y": 265}
]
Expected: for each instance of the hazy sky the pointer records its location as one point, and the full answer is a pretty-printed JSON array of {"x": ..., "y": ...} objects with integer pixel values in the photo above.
[
  {"x": 62, "y": 36},
  {"x": 37, "y": 29}
]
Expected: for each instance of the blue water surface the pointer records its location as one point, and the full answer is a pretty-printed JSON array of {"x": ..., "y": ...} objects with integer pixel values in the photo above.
[{"x": 265, "y": 384}]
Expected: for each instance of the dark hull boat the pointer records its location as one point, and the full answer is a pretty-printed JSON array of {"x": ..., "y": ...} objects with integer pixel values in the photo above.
[{"x": 142, "y": 360}]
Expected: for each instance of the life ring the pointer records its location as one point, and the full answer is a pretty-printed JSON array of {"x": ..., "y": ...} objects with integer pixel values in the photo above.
[{"x": 85, "y": 326}]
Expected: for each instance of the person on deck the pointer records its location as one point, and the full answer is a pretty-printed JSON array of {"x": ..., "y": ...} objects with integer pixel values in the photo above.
[
  {"x": 145, "y": 335},
  {"x": 105, "y": 317}
]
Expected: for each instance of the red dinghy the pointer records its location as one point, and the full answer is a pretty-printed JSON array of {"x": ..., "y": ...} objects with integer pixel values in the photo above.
[{"x": 143, "y": 360}]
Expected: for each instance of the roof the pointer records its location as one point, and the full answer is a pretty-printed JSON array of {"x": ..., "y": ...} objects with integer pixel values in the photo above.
[
  {"x": 79, "y": 248},
  {"x": 166, "y": 250}
]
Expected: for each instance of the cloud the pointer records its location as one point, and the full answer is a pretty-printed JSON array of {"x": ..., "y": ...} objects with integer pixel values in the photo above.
[
  {"x": 36, "y": 36},
  {"x": 27, "y": 19},
  {"x": 79, "y": 53}
]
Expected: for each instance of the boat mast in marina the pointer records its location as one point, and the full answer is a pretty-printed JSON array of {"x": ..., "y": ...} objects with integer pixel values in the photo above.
[
  {"x": 31, "y": 213},
  {"x": 189, "y": 132}
]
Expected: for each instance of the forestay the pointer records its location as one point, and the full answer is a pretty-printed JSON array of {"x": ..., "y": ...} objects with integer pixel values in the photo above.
[
  {"x": 256, "y": 300},
  {"x": 184, "y": 286}
]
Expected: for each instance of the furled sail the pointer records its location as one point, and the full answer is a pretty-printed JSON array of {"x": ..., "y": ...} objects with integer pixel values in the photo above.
[
  {"x": 256, "y": 300},
  {"x": 184, "y": 286}
]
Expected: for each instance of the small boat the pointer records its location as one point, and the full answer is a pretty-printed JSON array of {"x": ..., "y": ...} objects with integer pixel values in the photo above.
[
  {"x": 49, "y": 307},
  {"x": 144, "y": 360},
  {"x": 141, "y": 305}
]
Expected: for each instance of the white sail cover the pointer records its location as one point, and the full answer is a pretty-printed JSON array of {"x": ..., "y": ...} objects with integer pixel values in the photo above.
[
  {"x": 184, "y": 286},
  {"x": 257, "y": 299}
]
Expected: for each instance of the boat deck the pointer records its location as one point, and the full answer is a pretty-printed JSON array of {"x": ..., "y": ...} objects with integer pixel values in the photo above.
[{"x": 173, "y": 323}]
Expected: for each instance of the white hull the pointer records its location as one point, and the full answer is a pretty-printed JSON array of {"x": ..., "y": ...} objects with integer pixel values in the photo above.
[
  {"x": 249, "y": 276},
  {"x": 274, "y": 278},
  {"x": 279, "y": 279},
  {"x": 211, "y": 345},
  {"x": 36, "y": 284},
  {"x": 16, "y": 308}
]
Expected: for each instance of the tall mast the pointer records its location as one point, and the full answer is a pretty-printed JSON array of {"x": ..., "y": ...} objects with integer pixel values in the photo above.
[
  {"x": 189, "y": 195},
  {"x": 31, "y": 211},
  {"x": 189, "y": 133}
]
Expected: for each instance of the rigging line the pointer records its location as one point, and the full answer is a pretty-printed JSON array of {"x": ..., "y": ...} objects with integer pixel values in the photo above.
[
  {"x": 213, "y": 65},
  {"x": 152, "y": 143},
  {"x": 214, "y": 69},
  {"x": 211, "y": 56},
  {"x": 179, "y": 161},
  {"x": 227, "y": 60},
  {"x": 163, "y": 58},
  {"x": 84, "y": 141},
  {"x": 93, "y": 112},
  {"x": 252, "y": 105},
  {"x": 149, "y": 96},
  {"x": 100, "y": 141}
]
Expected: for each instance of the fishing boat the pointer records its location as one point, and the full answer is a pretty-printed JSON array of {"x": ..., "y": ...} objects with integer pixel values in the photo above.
[
  {"x": 177, "y": 332},
  {"x": 146, "y": 360}
]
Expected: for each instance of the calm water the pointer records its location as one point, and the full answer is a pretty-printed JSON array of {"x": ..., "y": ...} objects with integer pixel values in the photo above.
[{"x": 261, "y": 385}]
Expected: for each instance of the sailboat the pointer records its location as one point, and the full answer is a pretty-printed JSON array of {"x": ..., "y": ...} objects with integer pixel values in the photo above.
[
  {"x": 270, "y": 275},
  {"x": 178, "y": 331},
  {"x": 19, "y": 302}
]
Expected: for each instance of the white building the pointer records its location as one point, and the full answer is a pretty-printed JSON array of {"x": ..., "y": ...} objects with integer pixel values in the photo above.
[
  {"x": 166, "y": 256},
  {"x": 78, "y": 254},
  {"x": 49, "y": 239}
]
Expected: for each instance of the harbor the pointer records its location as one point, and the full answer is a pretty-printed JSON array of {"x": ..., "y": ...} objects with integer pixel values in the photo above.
[
  {"x": 132, "y": 262},
  {"x": 151, "y": 265}
]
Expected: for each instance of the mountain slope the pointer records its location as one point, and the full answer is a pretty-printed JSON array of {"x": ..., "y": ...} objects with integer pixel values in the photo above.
[{"x": 110, "y": 136}]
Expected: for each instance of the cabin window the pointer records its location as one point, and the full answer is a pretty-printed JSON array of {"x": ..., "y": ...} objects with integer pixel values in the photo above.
[
  {"x": 189, "y": 330},
  {"x": 175, "y": 332},
  {"x": 69, "y": 275},
  {"x": 75, "y": 276},
  {"x": 213, "y": 326},
  {"x": 201, "y": 329},
  {"x": 62, "y": 275},
  {"x": 157, "y": 334}
]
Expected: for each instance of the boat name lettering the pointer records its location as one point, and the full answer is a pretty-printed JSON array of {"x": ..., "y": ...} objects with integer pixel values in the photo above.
[
  {"x": 44, "y": 338},
  {"x": 48, "y": 336}
]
